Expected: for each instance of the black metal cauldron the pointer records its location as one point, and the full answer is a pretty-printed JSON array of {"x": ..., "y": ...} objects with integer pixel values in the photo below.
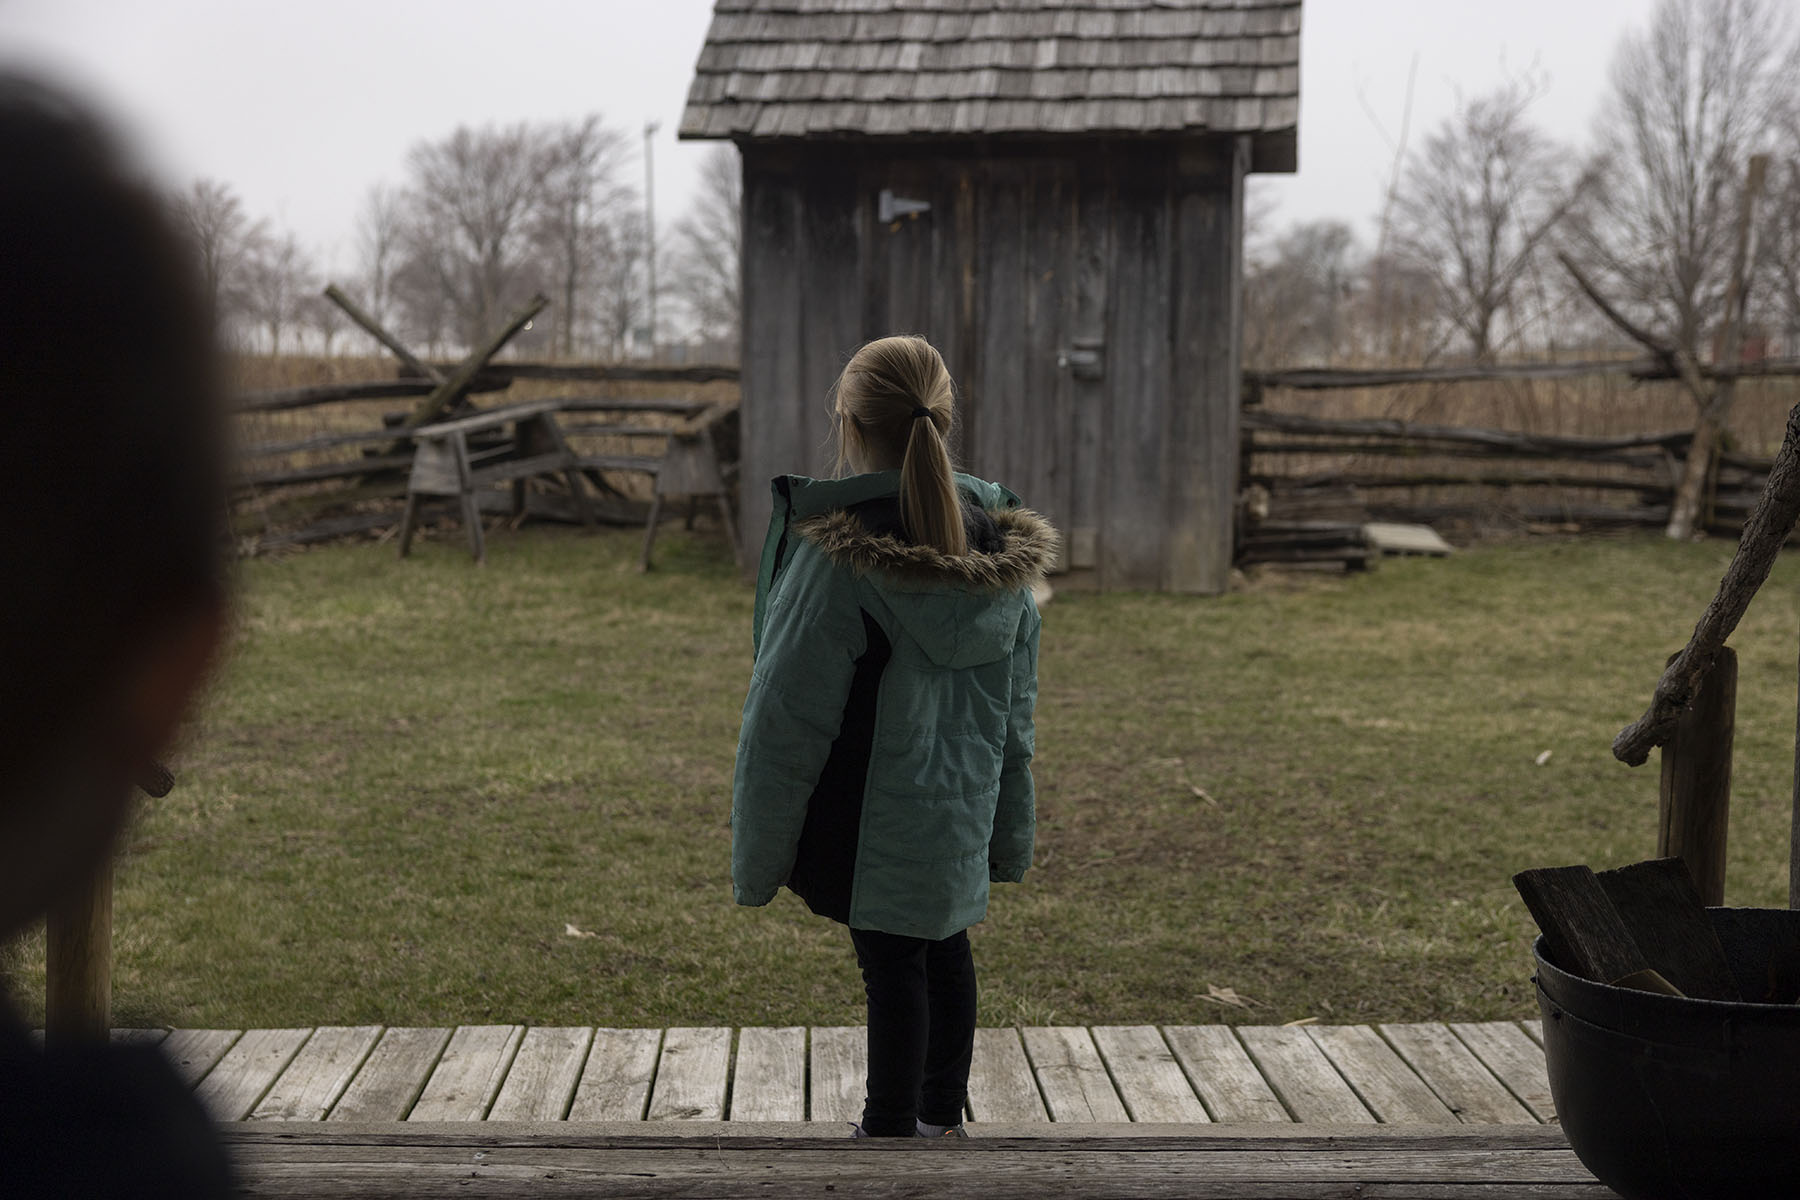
[{"x": 1669, "y": 1098}]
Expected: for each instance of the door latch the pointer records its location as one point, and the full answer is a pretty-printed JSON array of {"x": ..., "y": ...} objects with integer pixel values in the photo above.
[{"x": 1084, "y": 359}]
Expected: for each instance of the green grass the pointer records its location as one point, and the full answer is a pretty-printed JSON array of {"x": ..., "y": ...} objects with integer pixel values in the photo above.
[{"x": 413, "y": 776}]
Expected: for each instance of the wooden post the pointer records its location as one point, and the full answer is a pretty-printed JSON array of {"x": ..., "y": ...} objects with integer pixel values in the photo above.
[
  {"x": 1695, "y": 801},
  {"x": 1684, "y": 511},
  {"x": 78, "y": 966},
  {"x": 1794, "y": 828},
  {"x": 421, "y": 369}
]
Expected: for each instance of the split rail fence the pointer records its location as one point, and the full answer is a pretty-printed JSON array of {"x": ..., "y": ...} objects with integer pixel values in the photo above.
[{"x": 1309, "y": 482}]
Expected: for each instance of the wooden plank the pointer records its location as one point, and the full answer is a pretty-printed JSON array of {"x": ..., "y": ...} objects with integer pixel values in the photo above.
[
  {"x": 840, "y": 1069},
  {"x": 1535, "y": 1029},
  {"x": 1661, "y": 907},
  {"x": 1001, "y": 1085},
  {"x": 1200, "y": 389},
  {"x": 308, "y": 1162},
  {"x": 1379, "y": 1076},
  {"x": 468, "y": 1076},
  {"x": 194, "y": 1052},
  {"x": 1227, "y": 1082},
  {"x": 827, "y": 324},
  {"x": 544, "y": 1074},
  {"x": 774, "y": 437},
  {"x": 232, "y": 1088},
  {"x": 769, "y": 1080},
  {"x": 615, "y": 1085},
  {"x": 390, "y": 1078},
  {"x": 1452, "y": 1071},
  {"x": 490, "y": 418},
  {"x": 1300, "y": 1074},
  {"x": 1069, "y": 1072},
  {"x": 691, "y": 1075},
  {"x": 996, "y": 427},
  {"x": 1049, "y": 280},
  {"x": 953, "y": 322},
  {"x": 1147, "y": 1077},
  {"x": 1515, "y": 1060},
  {"x": 1087, "y": 451},
  {"x": 1134, "y": 545},
  {"x": 318, "y": 1075},
  {"x": 377, "y": 331},
  {"x": 1391, "y": 538},
  {"x": 1581, "y": 927}
]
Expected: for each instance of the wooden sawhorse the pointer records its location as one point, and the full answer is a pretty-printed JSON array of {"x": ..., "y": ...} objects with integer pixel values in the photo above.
[{"x": 443, "y": 466}]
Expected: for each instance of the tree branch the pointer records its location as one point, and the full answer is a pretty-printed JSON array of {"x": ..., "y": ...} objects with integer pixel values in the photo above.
[
  {"x": 1765, "y": 531},
  {"x": 1677, "y": 357}
]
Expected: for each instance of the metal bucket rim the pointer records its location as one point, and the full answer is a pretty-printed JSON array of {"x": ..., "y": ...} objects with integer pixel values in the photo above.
[{"x": 1545, "y": 963}]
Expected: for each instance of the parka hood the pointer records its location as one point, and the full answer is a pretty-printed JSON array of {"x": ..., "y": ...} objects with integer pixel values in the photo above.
[
  {"x": 1025, "y": 554},
  {"x": 963, "y": 609}
]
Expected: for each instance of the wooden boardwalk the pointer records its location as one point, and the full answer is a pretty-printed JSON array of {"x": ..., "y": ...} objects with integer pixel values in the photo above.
[{"x": 1415, "y": 1074}]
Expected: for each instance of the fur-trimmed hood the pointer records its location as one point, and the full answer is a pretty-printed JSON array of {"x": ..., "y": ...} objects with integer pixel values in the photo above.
[
  {"x": 959, "y": 611},
  {"x": 1024, "y": 548}
]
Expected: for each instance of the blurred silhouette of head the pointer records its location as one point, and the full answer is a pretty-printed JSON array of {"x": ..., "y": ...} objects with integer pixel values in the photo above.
[{"x": 111, "y": 491}]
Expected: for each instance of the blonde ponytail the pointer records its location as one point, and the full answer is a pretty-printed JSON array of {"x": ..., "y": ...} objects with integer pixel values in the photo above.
[{"x": 894, "y": 402}]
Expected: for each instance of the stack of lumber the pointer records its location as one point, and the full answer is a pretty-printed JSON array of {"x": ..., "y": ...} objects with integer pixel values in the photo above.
[
  {"x": 1306, "y": 543},
  {"x": 1303, "y": 526}
]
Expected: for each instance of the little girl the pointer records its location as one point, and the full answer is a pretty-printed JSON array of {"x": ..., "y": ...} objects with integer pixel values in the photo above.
[{"x": 883, "y": 770}]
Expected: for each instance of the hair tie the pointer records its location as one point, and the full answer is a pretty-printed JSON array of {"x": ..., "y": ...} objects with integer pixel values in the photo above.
[{"x": 920, "y": 411}]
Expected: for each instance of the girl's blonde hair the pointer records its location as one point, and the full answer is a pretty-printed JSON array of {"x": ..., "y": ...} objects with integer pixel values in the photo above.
[{"x": 894, "y": 403}]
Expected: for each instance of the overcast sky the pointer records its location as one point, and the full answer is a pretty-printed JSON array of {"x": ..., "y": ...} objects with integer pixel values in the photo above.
[{"x": 301, "y": 107}]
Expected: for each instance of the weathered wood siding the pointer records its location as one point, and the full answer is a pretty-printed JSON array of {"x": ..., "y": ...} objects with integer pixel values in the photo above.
[{"x": 1023, "y": 257}]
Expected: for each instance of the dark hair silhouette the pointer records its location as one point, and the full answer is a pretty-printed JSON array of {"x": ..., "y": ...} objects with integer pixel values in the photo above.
[{"x": 111, "y": 459}]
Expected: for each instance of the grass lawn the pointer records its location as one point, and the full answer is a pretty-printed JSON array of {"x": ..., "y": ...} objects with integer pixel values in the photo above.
[{"x": 414, "y": 777}]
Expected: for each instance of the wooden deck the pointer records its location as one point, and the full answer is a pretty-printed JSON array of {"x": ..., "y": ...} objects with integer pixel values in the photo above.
[{"x": 1416, "y": 1074}]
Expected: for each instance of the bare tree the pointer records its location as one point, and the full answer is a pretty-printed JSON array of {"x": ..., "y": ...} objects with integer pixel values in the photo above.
[
  {"x": 324, "y": 318},
  {"x": 1476, "y": 204},
  {"x": 1298, "y": 299},
  {"x": 582, "y": 199},
  {"x": 622, "y": 300},
  {"x": 1779, "y": 285},
  {"x": 380, "y": 233},
  {"x": 420, "y": 306},
  {"x": 1692, "y": 97},
  {"x": 708, "y": 242},
  {"x": 223, "y": 238},
  {"x": 470, "y": 204},
  {"x": 278, "y": 278}
]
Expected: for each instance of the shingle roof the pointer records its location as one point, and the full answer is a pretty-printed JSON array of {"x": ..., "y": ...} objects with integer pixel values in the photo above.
[{"x": 953, "y": 68}]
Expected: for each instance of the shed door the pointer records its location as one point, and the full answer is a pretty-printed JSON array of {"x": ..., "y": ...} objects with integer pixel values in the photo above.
[{"x": 991, "y": 274}]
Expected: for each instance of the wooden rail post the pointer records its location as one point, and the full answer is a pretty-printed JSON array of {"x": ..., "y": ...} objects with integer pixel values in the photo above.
[
  {"x": 78, "y": 966},
  {"x": 1794, "y": 829},
  {"x": 1695, "y": 796}
]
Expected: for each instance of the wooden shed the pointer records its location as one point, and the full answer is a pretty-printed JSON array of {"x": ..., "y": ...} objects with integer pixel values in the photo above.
[{"x": 1049, "y": 190}]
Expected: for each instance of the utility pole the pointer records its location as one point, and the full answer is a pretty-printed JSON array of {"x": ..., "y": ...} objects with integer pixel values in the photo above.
[{"x": 650, "y": 128}]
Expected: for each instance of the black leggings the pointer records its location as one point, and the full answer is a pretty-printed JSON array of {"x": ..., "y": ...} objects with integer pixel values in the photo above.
[{"x": 921, "y": 1029}]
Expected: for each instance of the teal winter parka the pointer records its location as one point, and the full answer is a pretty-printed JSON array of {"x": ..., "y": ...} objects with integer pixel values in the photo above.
[{"x": 883, "y": 768}]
